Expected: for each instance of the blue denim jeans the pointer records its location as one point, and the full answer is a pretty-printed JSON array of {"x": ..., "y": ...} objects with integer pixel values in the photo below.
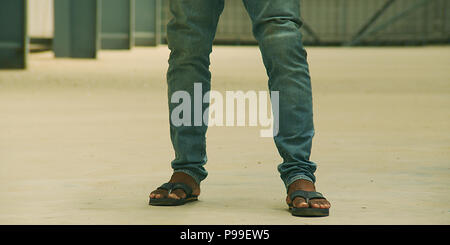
[{"x": 276, "y": 26}]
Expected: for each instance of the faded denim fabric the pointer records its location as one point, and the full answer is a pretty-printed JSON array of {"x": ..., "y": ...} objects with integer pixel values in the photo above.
[{"x": 276, "y": 26}]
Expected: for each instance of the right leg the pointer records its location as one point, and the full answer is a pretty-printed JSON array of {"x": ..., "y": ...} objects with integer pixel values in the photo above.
[{"x": 190, "y": 35}]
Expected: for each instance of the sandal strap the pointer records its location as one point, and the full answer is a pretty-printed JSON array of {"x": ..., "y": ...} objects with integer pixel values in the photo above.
[
  {"x": 307, "y": 195},
  {"x": 315, "y": 195},
  {"x": 166, "y": 186},
  {"x": 187, "y": 189},
  {"x": 299, "y": 193}
]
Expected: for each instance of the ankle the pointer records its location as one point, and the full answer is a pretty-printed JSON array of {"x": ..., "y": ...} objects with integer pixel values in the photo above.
[
  {"x": 301, "y": 184},
  {"x": 184, "y": 178}
]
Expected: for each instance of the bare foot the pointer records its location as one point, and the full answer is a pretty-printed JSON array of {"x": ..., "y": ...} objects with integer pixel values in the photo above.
[
  {"x": 178, "y": 177},
  {"x": 299, "y": 202}
]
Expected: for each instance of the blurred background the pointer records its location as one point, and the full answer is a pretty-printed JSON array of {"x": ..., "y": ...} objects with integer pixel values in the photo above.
[
  {"x": 80, "y": 28},
  {"x": 84, "y": 122}
]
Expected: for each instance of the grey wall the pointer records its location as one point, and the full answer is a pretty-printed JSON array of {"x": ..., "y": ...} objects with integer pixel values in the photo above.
[{"x": 338, "y": 21}]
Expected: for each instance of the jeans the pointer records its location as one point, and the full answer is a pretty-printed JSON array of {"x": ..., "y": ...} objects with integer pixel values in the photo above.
[{"x": 276, "y": 26}]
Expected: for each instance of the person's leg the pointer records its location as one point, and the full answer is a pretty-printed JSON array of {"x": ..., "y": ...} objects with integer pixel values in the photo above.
[
  {"x": 190, "y": 35},
  {"x": 276, "y": 25}
]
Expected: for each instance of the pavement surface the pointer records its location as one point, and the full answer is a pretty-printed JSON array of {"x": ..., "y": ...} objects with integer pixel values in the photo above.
[{"x": 85, "y": 141}]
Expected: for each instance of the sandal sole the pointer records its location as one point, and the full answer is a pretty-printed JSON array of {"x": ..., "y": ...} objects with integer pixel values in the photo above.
[
  {"x": 170, "y": 201},
  {"x": 310, "y": 212}
]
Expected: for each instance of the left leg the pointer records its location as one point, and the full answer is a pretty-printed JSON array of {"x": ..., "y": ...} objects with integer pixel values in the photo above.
[{"x": 276, "y": 26}]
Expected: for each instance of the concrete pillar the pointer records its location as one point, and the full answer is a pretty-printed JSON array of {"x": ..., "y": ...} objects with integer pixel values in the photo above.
[
  {"x": 147, "y": 29},
  {"x": 77, "y": 24},
  {"x": 117, "y": 24},
  {"x": 13, "y": 34}
]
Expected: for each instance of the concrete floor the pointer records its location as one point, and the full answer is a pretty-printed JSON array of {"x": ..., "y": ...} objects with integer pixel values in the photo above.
[{"x": 85, "y": 141}]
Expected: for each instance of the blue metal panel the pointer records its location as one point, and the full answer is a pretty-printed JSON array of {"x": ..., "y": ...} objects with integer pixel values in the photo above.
[
  {"x": 117, "y": 24},
  {"x": 13, "y": 34},
  {"x": 147, "y": 22},
  {"x": 76, "y": 28}
]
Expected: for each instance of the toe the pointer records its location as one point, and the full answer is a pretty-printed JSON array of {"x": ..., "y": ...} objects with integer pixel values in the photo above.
[
  {"x": 320, "y": 203},
  {"x": 177, "y": 194},
  {"x": 173, "y": 196},
  {"x": 158, "y": 194},
  {"x": 325, "y": 204},
  {"x": 300, "y": 203},
  {"x": 315, "y": 204}
]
